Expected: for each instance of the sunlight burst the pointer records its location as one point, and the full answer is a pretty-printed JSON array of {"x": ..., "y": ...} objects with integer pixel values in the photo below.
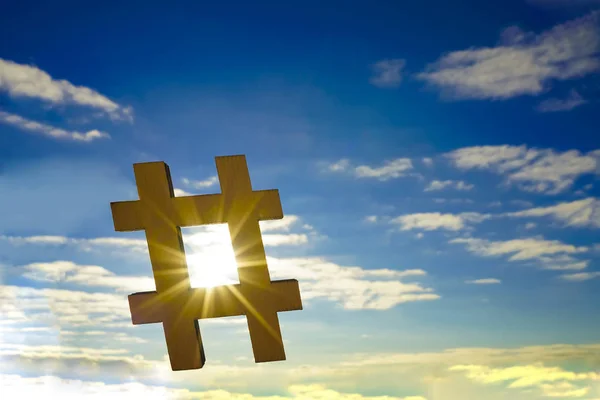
[{"x": 210, "y": 258}]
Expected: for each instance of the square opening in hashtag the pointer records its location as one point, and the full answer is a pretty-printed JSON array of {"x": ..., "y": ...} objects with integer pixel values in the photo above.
[{"x": 210, "y": 256}]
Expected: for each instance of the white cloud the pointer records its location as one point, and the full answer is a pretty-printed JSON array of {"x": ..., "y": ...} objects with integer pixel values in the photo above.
[
  {"x": 427, "y": 161},
  {"x": 553, "y": 353},
  {"x": 63, "y": 313},
  {"x": 181, "y": 193},
  {"x": 353, "y": 287},
  {"x": 44, "y": 239},
  {"x": 498, "y": 158},
  {"x": 584, "y": 212},
  {"x": 553, "y": 381},
  {"x": 405, "y": 273},
  {"x": 283, "y": 224},
  {"x": 534, "y": 170},
  {"x": 371, "y": 219},
  {"x": 195, "y": 237},
  {"x": 563, "y": 389},
  {"x": 73, "y": 360},
  {"x": 554, "y": 105},
  {"x": 115, "y": 363},
  {"x": 430, "y": 221},
  {"x": 339, "y": 166},
  {"x": 550, "y": 254},
  {"x": 452, "y": 201},
  {"x": 16, "y": 386},
  {"x": 352, "y": 371},
  {"x": 206, "y": 183},
  {"x": 563, "y": 262},
  {"x": 94, "y": 244},
  {"x": 580, "y": 276},
  {"x": 440, "y": 185},
  {"x": 97, "y": 336},
  {"x": 25, "y": 305},
  {"x": 387, "y": 73},
  {"x": 206, "y": 248},
  {"x": 435, "y": 220},
  {"x": 389, "y": 170},
  {"x": 521, "y": 249},
  {"x": 554, "y": 172},
  {"x": 447, "y": 369},
  {"x": 21, "y": 80},
  {"x": 288, "y": 239},
  {"x": 522, "y": 64},
  {"x": 86, "y": 275},
  {"x": 50, "y": 131},
  {"x": 484, "y": 281}
]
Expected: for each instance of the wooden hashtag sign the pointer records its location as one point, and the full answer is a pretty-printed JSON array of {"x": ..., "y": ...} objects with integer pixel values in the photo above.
[{"x": 175, "y": 303}]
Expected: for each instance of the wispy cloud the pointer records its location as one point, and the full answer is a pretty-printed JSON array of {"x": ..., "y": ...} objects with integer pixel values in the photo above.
[
  {"x": 439, "y": 200},
  {"x": 339, "y": 166},
  {"x": 85, "y": 275},
  {"x": 554, "y": 105},
  {"x": 206, "y": 183},
  {"x": 548, "y": 254},
  {"x": 287, "y": 239},
  {"x": 354, "y": 287},
  {"x": 553, "y": 353},
  {"x": 99, "y": 244},
  {"x": 21, "y": 80},
  {"x": 551, "y": 381},
  {"x": 389, "y": 170},
  {"x": 484, "y": 281},
  {"x": 584, "y": 212},
  {"x": 197, "y": 237},
  {"x": 534, "y": 170},
  {"x": 371, "y": 219},
  {"x": 521, "y": 249},
  {"x": 440, "y": 185},
  {"x": 387, "y": 73},
  {"x": 280, "y": 225},
  {"x": 15, "y": 386},
  {"x": 435, "y": 220},
  {"x": 50, "y": 131},
  {"x": 64, "y": 307},
  {"x": 580, "y": 276},
  {"x": 504, "y": 365},
  {"x": 522, "y": 64}
]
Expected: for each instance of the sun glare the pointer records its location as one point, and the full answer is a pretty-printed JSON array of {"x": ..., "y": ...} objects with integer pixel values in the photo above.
[{"x": 210, "y": 257}]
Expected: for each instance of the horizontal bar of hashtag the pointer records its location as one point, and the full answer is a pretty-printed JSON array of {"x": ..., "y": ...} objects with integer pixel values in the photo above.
[{"x": 215, "y": 302}]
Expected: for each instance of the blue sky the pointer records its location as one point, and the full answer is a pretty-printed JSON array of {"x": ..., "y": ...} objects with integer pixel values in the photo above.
[{"x": 438, "y": 169}]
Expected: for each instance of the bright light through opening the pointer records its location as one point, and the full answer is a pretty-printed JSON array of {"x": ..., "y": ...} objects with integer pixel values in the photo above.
[{"x": 210, "y": 256}]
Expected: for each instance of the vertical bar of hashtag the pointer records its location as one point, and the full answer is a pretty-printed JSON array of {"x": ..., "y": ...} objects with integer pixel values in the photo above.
[
  {"x": 240, "y": 205},
  {"x": 169, "y": 266}
]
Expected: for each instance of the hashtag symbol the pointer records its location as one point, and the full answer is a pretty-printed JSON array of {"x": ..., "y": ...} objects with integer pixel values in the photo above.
[{"x": 175, "y": 303}]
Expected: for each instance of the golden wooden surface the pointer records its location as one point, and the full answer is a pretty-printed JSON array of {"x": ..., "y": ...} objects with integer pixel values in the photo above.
[{"x": 174, "y": 303}]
